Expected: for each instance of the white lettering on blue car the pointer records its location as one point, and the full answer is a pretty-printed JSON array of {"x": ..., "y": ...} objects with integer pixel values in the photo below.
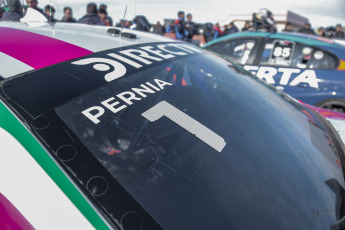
[
  {"x": 143, "y": 55},
  {"x": 126, "y": 99},
  {"x": 289, "y": 76}
]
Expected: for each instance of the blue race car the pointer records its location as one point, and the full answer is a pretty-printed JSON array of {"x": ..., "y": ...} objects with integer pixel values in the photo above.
[{"x": 309, "y": 68}]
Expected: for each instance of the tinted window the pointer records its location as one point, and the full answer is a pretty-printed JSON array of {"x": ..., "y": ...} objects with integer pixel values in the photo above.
[
  {"x": 240, "y": 51},
  {"x": 294, "y": 54}
]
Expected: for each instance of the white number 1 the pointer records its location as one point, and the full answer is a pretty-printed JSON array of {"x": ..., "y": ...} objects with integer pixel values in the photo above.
[{"x": 163, "y": 108}]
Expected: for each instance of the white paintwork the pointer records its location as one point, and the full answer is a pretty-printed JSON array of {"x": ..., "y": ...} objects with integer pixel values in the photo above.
[
  {"x": 13, "y": 66},
  {"x": 34, "y": 18},
  {"x": 91, "y": 37},
  {"x": 339, "y": 126},
  {"x": 33, "y": 192}
]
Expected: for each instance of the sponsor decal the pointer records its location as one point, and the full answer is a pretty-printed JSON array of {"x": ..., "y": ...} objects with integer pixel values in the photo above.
[
  {"x": 123, "y": 100},
  {"x": 289, "y": 76},
  {"x": 206, "y": 135},
  {"x": 137, "y": 58},
  {"x": 118, "y": 63},
  {"x": 281, "y": 52}
]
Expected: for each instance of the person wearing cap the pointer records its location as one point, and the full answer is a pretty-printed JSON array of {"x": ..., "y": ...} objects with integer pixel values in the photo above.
[
  {"x": 180, "y": 25},
  {"x": 307, "y": 29},
  {"x": 14, "y": 12}
]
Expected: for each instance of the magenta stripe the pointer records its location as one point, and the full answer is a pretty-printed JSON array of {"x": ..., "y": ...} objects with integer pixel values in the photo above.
[
  {"x": 10, "y": 217},
  {"x": 36, "y": 50}
]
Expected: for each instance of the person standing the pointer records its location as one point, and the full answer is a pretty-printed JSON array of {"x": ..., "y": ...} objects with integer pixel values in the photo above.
[
  {"x": 170, "y": 28},
  {"x": 34, "y": 5},
  {"x": 217, "y": 31},
  {"x": 246, "y": 26},
  {"x": 49, "y": 13},
  {"x": 232, "y": 28},
  {"x": 91, "y": 17},
  {"x": 102, "y": 13},
  {"x": 190, "y": 27},
  {"x": 307, "y": 29},
  {"x": 321, "y": 31},
  {"x": 68, "y": 15},
  {"x": 180, "y": 26},
  {"x": 108, "y": 20},
  {"x": 14, "y": 12},
  {"x": 288, "y": 27},
  {"x": 158, "y": 28},
  {"x": 339, "y": 32}
]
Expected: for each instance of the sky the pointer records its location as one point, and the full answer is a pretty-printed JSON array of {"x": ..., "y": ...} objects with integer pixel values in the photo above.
[{"x": 319, "y": 12}]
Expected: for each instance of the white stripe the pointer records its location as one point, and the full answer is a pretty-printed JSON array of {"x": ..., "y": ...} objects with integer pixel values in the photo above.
[
  {"x": 339, "y": 126},
  {"x": 33, "y": 192},
  {"x": 11, "y": 66}
]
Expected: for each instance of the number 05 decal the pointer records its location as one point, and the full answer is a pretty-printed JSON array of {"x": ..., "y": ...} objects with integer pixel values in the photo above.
[{"x": 163, "y": 108}]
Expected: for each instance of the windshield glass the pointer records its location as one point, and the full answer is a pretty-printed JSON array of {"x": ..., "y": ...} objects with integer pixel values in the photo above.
[{"x": 193, "y": 140}]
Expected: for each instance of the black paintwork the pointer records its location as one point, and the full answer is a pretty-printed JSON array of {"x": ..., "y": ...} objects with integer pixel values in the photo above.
[{"x": 280, "y": 169}]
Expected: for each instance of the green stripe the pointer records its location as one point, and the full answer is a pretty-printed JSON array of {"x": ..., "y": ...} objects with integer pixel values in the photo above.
[
  {"x": 309, "y": 40},
  {"x": 11, "y": 124},
  {"x": 237, "y": 35},
  {"x": 306, "y": 39}
]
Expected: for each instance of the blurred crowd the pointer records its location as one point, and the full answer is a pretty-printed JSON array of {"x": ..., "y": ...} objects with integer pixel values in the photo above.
[
  {"x": 94, "y": 14},
  {"x": 182, "y": 27}
]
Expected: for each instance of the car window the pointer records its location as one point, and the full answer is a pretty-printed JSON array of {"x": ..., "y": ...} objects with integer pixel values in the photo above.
[
  {"x": 293, "y": 54},
  {"x": 313, "y": 58},
  {"x": 277, "y": 52},
  {"x": 239, "y": 51}
]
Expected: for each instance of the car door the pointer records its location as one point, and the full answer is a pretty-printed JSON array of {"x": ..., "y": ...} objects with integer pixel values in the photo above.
[{"x": 299, "y": 69}]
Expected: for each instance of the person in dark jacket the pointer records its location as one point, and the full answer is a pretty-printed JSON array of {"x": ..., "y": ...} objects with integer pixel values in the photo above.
[
  {"x": 34, "y": 5},
  {"x": 307, "y": 29},
  {"x": 339, "y": 32},
  {"x": 102, "y": 13},
  {"x": 91, "y": 16},
  {"x": 288, "y": 27},
  {"x": 190, "y": 27},
  {"x": 232, "y": 28},
  {"x": 180, "y": 26},
  {"x": 15, "y": 11},
  {"x": 108, "y": 19},
  {"x": 68, "y": 15},
  {"x": 246, "y": 26},
  {"x": 170, "y": 28}
]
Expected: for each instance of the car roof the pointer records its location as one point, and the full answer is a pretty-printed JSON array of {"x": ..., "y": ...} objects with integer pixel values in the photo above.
[
  {"x": 24, "y": 47},
  {"x": 303, "y": 38}
]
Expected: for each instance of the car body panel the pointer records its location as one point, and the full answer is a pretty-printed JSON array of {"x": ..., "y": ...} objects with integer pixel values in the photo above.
[
  {"x": 57, "y": 42},
  {"x": 17, "y": 130},
  {"x": 313, "y": 85},
  {"x": 10, "y": 61},
  {"x": 26, "y": 185},
  {"x": 267, "y": 152}
]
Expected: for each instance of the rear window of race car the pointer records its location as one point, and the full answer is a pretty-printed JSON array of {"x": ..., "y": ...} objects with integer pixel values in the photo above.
[{"x": 152, "y": 133}]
